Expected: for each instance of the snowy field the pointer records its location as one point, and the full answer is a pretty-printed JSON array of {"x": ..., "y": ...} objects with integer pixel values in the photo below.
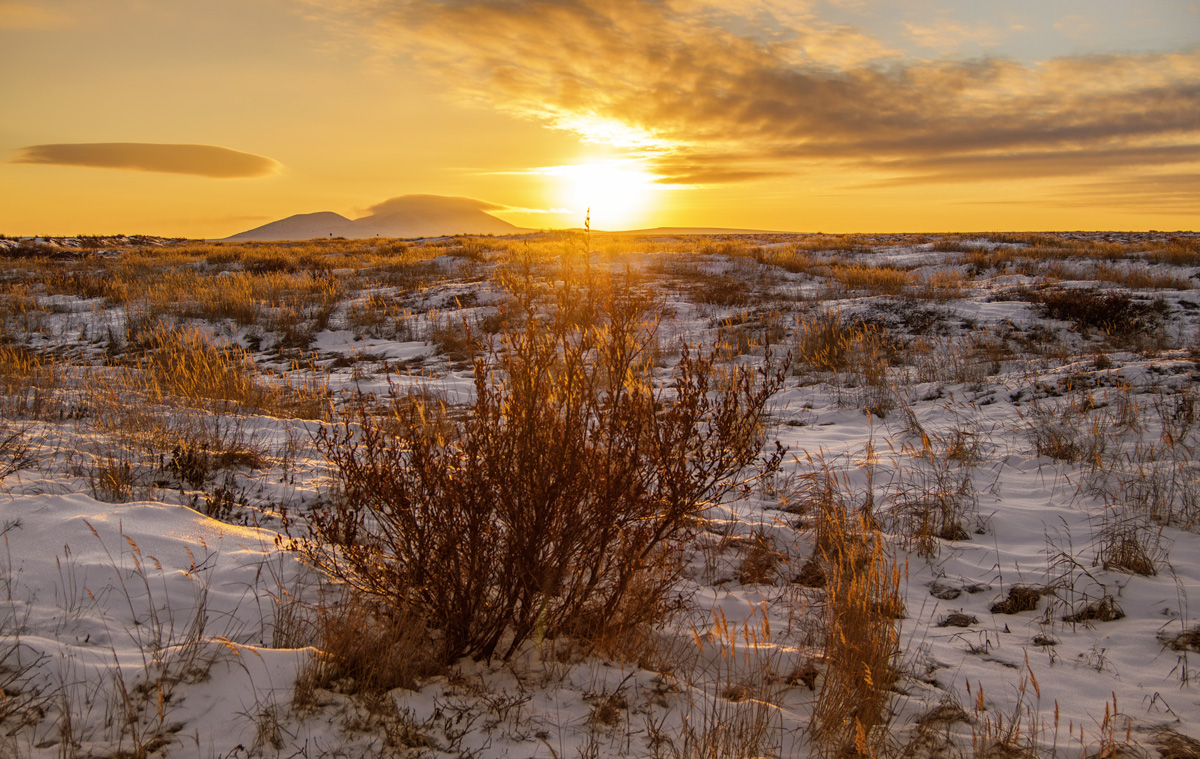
[{"x": 990, "y": 447}]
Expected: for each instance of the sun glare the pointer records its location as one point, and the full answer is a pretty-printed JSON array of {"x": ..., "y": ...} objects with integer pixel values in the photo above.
[{"x": 619, "y": 195}]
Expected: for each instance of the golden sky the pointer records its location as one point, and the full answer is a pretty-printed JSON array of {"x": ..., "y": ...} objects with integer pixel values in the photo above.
[{"x": 177, "y": 117}]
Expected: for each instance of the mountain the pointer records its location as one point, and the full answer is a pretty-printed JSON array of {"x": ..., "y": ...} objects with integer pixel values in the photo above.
[
  {"x": 405, "y": 216},
  {"x": 302, "y": 226}
]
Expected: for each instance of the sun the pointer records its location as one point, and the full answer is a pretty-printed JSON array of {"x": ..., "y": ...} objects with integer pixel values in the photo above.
[{"x": 620, "y": 194}]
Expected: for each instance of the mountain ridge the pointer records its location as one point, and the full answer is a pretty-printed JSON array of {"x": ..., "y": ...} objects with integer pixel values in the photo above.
[{"x": 403, "y": 216}]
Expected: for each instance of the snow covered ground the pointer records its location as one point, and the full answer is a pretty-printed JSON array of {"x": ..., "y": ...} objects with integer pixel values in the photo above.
[{"x": 979, "y": 412}]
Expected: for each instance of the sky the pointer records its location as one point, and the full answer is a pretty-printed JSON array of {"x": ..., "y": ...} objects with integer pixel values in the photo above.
[{"x": 179, "y": 118}]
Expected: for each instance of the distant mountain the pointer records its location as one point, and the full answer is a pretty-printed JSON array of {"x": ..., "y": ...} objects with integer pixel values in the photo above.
[{"x": 405, "y": 216}]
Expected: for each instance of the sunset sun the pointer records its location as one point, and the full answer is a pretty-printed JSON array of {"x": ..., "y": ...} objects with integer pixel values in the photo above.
[{"x": 620, "y": 194}]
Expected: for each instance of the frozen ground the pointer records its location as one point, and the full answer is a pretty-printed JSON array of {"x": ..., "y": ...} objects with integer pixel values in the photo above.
[{"x": 150, "y": 604}]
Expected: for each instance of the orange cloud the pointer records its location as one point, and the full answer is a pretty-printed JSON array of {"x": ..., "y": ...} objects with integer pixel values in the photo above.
[
  {"x": 682, "y": 82},
  {"x": 199, "y": 160}
]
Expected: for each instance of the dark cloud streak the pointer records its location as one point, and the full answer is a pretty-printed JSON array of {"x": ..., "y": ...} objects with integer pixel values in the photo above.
[
  {"x": 198, "y": 160},
  {"x": 959, "y": 168}
]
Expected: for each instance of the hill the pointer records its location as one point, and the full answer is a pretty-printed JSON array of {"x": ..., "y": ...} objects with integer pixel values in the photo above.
[{"x": 404, "y": 216}]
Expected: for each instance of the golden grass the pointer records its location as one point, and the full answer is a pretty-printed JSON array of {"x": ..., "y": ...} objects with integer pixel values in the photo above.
[
  {"x": 1139, "y": 278},
  {"x": 827, "y": 341},
  {"x": 862, "y": 642},
  {"x": 942, "y": 286},
  {"x": 187, "y": 365}
]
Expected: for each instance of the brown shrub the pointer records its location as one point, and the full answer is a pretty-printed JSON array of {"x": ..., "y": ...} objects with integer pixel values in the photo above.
[{"x": 541, "y": 509}]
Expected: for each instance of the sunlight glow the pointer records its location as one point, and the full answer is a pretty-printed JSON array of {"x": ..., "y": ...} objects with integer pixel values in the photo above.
[
  {"x": 620, "y": 194},
  {"x": 612, "y": 132}
]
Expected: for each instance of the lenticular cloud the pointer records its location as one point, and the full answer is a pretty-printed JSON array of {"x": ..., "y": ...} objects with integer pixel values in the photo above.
[{"x": 198, "y": 160}]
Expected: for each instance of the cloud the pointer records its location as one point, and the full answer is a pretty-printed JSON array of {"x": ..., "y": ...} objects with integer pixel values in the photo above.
[
  {"x": 1060, "y": 163},
  {"x": 199, "y": 160},
  {"x": 431, "y": 204},
  {"x": 1167, "y": 194},
  {"x": 773, "y": 93},
  {"x": 14, "y": 15},
  {"x": 947, "y": 34}
]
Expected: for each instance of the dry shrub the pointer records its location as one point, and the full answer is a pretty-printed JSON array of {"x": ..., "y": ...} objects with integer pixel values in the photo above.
[
  {"x": 1115, "y": 314},
  {"x": 538, "y": 511}
]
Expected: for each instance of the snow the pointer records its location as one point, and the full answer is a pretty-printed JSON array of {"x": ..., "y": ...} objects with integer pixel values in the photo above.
[{"x": 145, "y": 625}]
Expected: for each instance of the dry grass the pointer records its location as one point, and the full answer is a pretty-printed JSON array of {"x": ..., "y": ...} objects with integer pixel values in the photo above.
[
  {"x": 27, "y": 380},
  {"x": 761, "y": 561},
  {"x": 942, "y": 286},
  {"x": 1188, "y": 640},
  {"x": 1020, "y": 598},
  {"x": 187, "y": 365},
  {"x": 1063, "y": 432},
  {"x": 1174, "y": 745},
  {"x": 1141, "y": 278},
  {"x": 827, "y": 341},
  {"x": 870, "y": 280},
  {"x": 862, "y": 606},
  {"x": 733, "y": 699},
  {"x": 1104, "y": 609},
  {"x": 1127, "y": 544},
  {"x": 932, "y": 498},
  {"x": 362, "y": 648}
]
